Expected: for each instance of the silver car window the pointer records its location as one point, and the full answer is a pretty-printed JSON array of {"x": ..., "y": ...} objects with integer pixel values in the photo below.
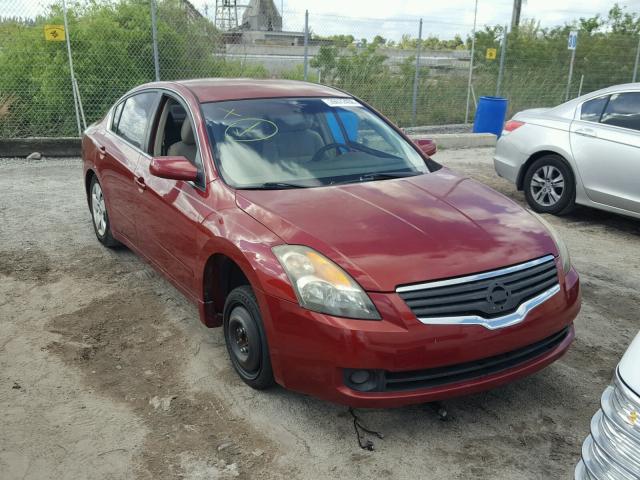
[
  {"x": 591, "y": 110},
  {"x": 623, "y": 110}
]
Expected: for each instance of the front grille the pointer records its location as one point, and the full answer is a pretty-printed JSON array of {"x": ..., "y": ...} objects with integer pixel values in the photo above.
[
  {"x": 612, "y": 451},
  {"x": 488, "y": 295},
  {"x": 411, "y": 380}
]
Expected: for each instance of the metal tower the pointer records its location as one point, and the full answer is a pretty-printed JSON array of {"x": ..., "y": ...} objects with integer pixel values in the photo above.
[{"x": 226, "y": 17}]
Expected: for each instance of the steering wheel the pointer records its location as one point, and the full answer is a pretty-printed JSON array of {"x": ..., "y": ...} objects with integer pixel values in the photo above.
[{"x": 318, "y": 155}]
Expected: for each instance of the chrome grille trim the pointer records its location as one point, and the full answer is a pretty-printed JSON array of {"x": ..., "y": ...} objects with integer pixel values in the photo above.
[
  {"x": 495, "y": 299},
  {"x": 475, "y": 277},
  {"x": 612, "y": 450},
  {"x": 499, "y": 322}
]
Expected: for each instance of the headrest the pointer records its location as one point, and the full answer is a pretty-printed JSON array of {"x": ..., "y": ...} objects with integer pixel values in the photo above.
[
  {"x": 294, "y": 122},
  {"x": 186, "y": 133}
]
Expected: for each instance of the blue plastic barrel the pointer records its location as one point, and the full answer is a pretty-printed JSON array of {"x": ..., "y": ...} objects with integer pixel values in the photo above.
[{"x": 490, "y": 115}]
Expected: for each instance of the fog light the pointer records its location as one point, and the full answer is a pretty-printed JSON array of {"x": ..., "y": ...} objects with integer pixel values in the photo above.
[
  {"x": 364, "y": 380},
  {"x": 358, "y": 377}
]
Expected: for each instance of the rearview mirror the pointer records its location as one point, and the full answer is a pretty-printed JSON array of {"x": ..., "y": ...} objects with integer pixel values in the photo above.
[
  {"x": 427, "y": 146},
  {"x": 173, "y": 168}
]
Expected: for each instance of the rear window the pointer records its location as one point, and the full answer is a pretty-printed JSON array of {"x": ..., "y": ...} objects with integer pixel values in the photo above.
[
  {"x": 592, "y": 110},
  {"x": 623, "y": 110}
]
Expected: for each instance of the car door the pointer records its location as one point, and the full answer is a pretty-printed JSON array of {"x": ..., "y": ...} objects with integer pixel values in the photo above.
[
  {"x": 119, "y": 150},
  {"x": 605, "y": 142},
  {"x": 170, "y": 212}
]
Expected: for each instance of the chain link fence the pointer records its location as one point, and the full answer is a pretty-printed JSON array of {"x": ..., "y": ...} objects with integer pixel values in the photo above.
[{"x": 403, "y": 71}]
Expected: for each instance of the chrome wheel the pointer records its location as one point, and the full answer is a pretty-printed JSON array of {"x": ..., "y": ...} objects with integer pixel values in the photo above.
[
  {"x": 547, "y": 185},
  {"x": 244, "y": 341},
  {"x": 98, "y": 209}
]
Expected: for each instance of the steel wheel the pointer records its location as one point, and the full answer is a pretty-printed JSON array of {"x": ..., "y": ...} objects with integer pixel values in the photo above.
[
  {"x": 245, "y": 338},
  {"x": 244, "y": 341},
  {"x": 547, "y": 185},
  {"x": 98, "y": 209}
]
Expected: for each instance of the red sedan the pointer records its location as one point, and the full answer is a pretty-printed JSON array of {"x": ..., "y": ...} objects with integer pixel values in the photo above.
[{"x": 340, "y": 260}]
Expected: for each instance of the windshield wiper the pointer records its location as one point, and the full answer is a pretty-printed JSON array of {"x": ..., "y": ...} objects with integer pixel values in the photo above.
[
  {"x": 274, "y": 186},
  {"x": 367, "y": 177},
  {"x": 372, "y": 151}
]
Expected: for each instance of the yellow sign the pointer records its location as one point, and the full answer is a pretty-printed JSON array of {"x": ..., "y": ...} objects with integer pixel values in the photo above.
[
  {"x": 491, "y": 53},
  {"x": 54, "y": 33}
]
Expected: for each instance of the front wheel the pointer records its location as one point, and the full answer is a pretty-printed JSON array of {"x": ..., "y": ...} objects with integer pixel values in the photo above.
[
  {"x": 246, "y": 340},
  {"x": 549, "y": 186}
]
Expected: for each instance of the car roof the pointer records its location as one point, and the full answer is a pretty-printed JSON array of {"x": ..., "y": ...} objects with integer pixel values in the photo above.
[{"x": 220, "y": 89}]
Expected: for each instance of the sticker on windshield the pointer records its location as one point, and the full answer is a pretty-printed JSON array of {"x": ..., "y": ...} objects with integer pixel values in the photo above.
[
  {"x": 251, "y": 130},
  {"x": 341, "y": 102}
]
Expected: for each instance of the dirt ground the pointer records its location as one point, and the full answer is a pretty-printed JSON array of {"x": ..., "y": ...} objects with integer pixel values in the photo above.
[{"x": 106, "y": 372}]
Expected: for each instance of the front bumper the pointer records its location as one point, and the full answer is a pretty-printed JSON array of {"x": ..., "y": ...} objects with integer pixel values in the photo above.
[
  {"x": 310, "y": 351},
  {"x": 612, "y": 451}
]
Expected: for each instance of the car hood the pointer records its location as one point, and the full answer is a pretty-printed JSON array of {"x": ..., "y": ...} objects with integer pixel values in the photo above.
[
  {"x": 393, "y": 232},
  {"x": 628, "y": 367}
]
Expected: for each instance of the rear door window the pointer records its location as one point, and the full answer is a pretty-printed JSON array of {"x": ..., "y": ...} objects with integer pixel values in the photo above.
[
  {"x": 623, "y": 110},
  {"x": 134, "y": 118},
  {"x": 592, "y": 110}
]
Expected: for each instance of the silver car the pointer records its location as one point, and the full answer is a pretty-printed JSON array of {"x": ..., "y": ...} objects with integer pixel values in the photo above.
[
  {"x": 585, "y": 151},
  {"x": 612, "y": 451}
]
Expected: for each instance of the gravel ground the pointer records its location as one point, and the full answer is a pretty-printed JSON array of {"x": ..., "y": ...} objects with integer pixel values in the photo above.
[{"x": 106, "y": 372}]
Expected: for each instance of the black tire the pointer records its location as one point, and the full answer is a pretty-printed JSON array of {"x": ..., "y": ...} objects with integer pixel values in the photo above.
[
  {"x": 103, "y": 235},
  {"x": 545, "y": 201},
  {"x": 243, "y": 329}
]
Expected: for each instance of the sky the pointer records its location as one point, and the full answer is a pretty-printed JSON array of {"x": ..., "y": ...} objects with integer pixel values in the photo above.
[
  {"x": 393, "y": 18},
  {"x": 444, "y": 19}
]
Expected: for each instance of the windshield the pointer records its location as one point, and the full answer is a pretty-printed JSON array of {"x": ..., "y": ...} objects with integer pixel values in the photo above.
[{"x": 305, "y": 142}]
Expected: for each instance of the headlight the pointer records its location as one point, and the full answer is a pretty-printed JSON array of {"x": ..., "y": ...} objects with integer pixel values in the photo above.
[
  {"x": 322, "y": 286},
  {"x": 562, "y": 247}
]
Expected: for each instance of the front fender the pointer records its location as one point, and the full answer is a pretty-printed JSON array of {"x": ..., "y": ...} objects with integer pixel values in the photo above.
[{"x": 248, "y": 243}]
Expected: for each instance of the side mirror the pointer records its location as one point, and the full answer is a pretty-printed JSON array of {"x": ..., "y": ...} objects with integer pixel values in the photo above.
[
  {"x": 173, "y": 168},
  {"x": 427, "y": 146}
]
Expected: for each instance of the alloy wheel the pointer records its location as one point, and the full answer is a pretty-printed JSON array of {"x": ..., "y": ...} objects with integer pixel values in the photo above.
[
  {"x": 98, "y": 209},
  {"x": 547, "y": 185}
]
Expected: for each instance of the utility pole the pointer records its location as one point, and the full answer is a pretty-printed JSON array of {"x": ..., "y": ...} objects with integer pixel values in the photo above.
[{"x": 515, "y": 15}]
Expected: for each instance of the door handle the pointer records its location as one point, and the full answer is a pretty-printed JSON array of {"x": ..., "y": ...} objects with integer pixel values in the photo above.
[
  {"x": 141, "y": 183},
  {"x": 587, "y": 132}
]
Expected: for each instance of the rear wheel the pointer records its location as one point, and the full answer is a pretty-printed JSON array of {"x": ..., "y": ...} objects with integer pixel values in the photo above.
[
  {"x": 99, "y": 214},
  {"x": 549, "y": 185},
  {"x": 246, "y": 340}
]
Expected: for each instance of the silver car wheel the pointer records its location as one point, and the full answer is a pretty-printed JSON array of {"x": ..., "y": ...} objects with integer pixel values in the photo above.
[
  {"x": 99, "y": 209},
  {"x": 547, "y": 185}
]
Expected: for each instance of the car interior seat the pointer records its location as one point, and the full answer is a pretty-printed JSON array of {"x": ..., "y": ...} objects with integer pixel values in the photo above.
[
  {"x": 186, "y": 147},
  {"x": 295, "y": 139}
]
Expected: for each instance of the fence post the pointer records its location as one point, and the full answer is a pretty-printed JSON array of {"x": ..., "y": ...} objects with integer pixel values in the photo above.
[
  {"x": 473, "y": 50},
  {"x": 154, "y": 39},
  {"x": 73, "y": 77},
  {"x": 573, "y": 57},
  {"x": 416, "y": 78},
  {"x": 306, "y": 44},
  {"x": 635, "y": 66},
  {"x": 503, "y": 52}
]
